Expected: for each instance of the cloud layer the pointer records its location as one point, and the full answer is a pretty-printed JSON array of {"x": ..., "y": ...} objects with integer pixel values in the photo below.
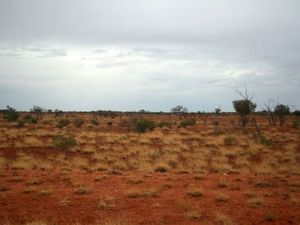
[{"x": 134, "y": 54}]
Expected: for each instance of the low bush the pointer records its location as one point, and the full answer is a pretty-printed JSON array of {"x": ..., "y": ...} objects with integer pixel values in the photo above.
[
  {"x": 63, "y": 142},
  {"x": 63, "y": 123},
  {"x": 143, "y": 125},
  {"x": 188, "y": 122},
  {"x": 165, "y": 124},
  {"x": 11, "y": 114}
]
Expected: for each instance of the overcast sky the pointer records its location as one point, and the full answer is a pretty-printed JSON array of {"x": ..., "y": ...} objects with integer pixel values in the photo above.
[{"x": 148, "y": 54}]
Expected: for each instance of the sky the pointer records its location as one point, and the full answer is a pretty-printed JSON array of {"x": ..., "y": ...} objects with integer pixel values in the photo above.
[{"x": 148, "y": 54}]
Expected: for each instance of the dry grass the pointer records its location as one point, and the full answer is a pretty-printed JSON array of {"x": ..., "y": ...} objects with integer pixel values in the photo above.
[
  {"x": 142, "y": 193},
  {"x": 193, "y": 215},
  {"x": 221, "y": 219},
  {"x": 195, "y": 192},
  {"x": 222, "y": 198},
  {"x": 82, "y": 190},
  {"x": 256, "y": 202}
]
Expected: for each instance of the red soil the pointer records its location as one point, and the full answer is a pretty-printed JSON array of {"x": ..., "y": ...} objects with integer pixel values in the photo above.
[{"x": 280, "y": 196}]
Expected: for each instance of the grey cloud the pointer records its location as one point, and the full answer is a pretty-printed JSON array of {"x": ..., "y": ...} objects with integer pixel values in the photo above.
[{"x": 177, "y": 45}]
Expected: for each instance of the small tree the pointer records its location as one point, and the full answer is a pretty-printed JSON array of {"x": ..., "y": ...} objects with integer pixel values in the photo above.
[
  {"x": 281, "y": 111},
  {"x": 38, "y": 110},
  {"x": 179, "y": 109},
  {"x": 143, "y": 125},
  {"x": 11, "y": 114},
  {"x": 244, "y": 107},
  {"x": 269, "y": 108}
]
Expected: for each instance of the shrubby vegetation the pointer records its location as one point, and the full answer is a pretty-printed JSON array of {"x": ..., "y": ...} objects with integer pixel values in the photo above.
[
  {"x": 244, "y": 107},
  {"x": 143, "y": 125},
  {"x": 188, "y": 122},
  {"x": 281, "y": 111},
  {"x": 11, "y": 114},
  {"x": 63, "y": 142},
  {"x": 63, "y": 123}
]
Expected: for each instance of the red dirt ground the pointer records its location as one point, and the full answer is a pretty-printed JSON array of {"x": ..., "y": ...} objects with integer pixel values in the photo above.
[{"x": 61, "y": 205}]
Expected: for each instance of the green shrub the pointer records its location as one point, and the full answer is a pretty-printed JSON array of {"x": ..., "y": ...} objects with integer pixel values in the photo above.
[
  {"x": 63, "y": 123},
  {"x": 188, "y": 122},
  {"x": 143, "y": 125},
  {"x": 63, "y": 142},
  {"x": 11, "y": 114},
  {"x": 30, "y": 119},
  {"x": 165, "y": 124}
]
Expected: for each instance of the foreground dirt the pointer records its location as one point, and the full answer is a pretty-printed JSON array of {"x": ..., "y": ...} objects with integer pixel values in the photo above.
[{"x": 66, "y": 197}]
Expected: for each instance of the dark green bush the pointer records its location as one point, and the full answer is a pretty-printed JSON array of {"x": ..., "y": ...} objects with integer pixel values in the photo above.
[
  {"x": 142, "y": 125},
  {"x": 30, "y": 119},
  {"x": 64, "y": 142},
  {"x": 165, "y": 124},
  {"x": 63, "y": 123},
  {"x": 11, "y": 114},
  {"x": 188, "y": 122}
]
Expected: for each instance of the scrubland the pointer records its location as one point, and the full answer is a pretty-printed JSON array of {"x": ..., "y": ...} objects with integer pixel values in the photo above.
[{"x": 84, "y": 168}]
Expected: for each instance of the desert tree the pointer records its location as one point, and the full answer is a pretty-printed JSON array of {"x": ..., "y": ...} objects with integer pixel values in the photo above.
[
  {"x": 281, "y": 111},
  {"x": 179, "y": 110},
  {"x": 269, "y": 109},
  {"x": 245, "y": 107},
  {"x": 218, "y": 110},
  {"x": 38, "y": 110},
  {"x": 11, "y": 114}
]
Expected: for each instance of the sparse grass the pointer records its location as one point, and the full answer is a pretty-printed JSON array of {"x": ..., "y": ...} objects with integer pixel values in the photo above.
[
  {"x": 100, "y": 178},
  {"x": 183, "y": 204},
  {"x": 221, "y": 219},
  {"x": 229, "y": 140},
  {"x": 199, "y": 177},
  {"x": 134, "y": 181},
  {"x": 29, "y": 190},
  {"x": 195, "y": 193},
  {"x": 222, "y": 198},
  {"x": 44, "y": 193},
  {"x": 251, "y": 194},
  {"x": 65, "y": 202},
  {"x": 34, "y": 182},
  {"x": 36, "y": 222},
  {"x": 161, "y": 168},
  {"x": 264, "y": 184},
  {"x": 143, "y": 193},
  {"x": 105, "y": 203},
  {"x": 222, "y": 183},
  {"x": 81, "y": 190},
  {"x": 193, "y": 215},
  {"x": 256, "y": 202},
  {"x": 16, "y": 179}
]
